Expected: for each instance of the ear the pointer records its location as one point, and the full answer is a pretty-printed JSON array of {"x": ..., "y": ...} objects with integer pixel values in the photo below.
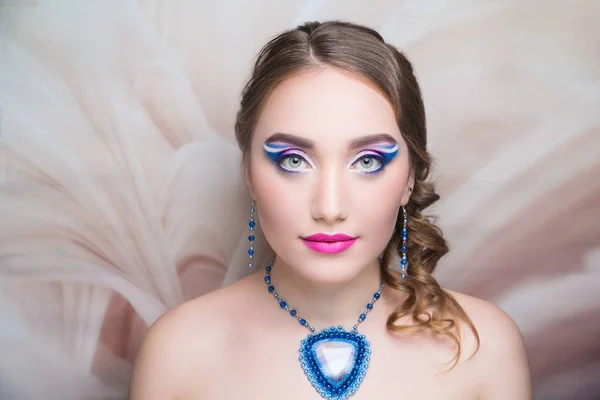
[
  {"x": 247, "y": 178},
  {"x": 408, "y": 189}
]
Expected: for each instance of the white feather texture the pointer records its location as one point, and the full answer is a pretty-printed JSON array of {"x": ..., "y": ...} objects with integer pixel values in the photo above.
[{"x": 122, "y": 194}]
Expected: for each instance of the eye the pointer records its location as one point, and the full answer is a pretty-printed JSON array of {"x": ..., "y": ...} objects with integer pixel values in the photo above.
[
  {"x": 293, "y": 163},
  {"x": 368, "y": 163}
]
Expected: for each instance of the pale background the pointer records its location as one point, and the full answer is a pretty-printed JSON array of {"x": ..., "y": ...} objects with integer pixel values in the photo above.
[{"x": 121, "y": 193}]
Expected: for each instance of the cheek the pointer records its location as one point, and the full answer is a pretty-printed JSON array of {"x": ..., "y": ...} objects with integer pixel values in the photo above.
[
  {"x": 379, "y": 210},
  {"x": 281, "y": 206},
  {"x": 384, "y": 208}
]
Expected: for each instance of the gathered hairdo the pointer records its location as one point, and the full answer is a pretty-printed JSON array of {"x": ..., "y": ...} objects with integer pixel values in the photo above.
[{"x": 362, "y": 51}]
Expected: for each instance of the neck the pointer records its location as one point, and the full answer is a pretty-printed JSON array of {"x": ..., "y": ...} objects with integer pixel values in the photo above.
[{"x": 324, "y": 305}]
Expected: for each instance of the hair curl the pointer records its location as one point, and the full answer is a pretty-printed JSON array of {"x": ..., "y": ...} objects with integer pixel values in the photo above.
[{"x": 363, "y": 52}]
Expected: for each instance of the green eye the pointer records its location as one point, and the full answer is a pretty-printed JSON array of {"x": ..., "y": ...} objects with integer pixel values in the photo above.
[
  {"x": 366, "y": 162},
  {"x": 294, "y": 162}
]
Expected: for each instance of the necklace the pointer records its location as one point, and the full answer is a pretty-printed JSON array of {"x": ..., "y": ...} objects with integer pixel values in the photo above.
[{"x": 334, "y": 360}]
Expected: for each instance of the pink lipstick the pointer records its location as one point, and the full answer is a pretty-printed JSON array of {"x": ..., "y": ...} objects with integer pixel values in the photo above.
[{"x": 329, "y": 244}]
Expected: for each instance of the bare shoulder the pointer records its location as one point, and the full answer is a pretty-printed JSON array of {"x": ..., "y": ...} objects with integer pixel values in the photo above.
[
  {"x": 183, "y": 345},
  {"x": 501, "y": 360},
  {"x": 492, "y": 323}
]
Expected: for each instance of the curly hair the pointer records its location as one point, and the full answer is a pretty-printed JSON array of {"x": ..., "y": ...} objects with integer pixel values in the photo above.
[{"x": 363, "y": 52}]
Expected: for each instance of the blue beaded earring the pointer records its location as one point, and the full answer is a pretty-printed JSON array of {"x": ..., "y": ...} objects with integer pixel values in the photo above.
[
  {"x": 404, "y": 262},
  {"x": 251, "y": 225}
]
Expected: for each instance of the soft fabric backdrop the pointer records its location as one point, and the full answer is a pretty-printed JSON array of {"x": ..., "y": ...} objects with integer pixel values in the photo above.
[{"x": 122, "y": 194}]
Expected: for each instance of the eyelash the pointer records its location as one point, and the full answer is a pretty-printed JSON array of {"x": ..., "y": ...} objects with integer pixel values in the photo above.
[
  {"x": 375, "y": 156},
  {"x": 287, "y": 154}
]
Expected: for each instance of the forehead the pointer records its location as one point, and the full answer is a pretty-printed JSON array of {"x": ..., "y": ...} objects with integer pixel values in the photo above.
[{"x": 327, "y": 106}]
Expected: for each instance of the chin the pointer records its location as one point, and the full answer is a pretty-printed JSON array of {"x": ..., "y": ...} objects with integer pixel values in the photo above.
[{"x": 330, "y": 270}]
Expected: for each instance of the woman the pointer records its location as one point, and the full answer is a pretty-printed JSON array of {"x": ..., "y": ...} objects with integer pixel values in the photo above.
[{"x": 332, "y": 131}]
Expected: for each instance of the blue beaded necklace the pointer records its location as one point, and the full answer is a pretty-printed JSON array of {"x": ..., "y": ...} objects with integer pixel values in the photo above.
[{"x": 334, "y": 360}]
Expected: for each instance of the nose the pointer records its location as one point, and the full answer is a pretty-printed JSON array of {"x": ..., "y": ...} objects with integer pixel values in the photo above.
[{"x": 330, "y": 200}]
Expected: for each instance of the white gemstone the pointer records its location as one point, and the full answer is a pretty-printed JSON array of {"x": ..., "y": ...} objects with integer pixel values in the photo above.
[{"x": 336, "y": 358}]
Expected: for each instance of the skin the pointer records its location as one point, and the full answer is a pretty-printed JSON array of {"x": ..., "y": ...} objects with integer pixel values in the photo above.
[{"x": 237, "y": 343}]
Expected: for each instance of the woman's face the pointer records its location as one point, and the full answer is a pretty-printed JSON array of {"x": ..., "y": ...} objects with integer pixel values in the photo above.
[{"x": 327, "y": 158}]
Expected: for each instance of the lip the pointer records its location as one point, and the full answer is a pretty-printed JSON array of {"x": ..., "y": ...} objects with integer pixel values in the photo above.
[
  {"x": 329, "y": 244},
  {"x": 323, "y": 237}
]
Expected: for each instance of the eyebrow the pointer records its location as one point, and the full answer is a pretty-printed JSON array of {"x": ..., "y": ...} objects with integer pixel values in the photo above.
[{"x": 354, "y": 144}]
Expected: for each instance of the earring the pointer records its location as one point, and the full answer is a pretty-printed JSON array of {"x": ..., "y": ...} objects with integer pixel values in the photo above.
[
  {"x": 251, "y": 225},
  {"x": 404, "y": 262}
]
